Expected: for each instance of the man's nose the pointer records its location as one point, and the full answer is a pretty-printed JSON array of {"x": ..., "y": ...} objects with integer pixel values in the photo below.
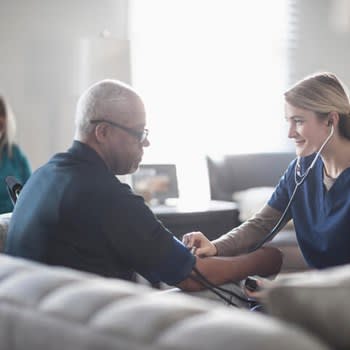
[{"x": 146, "y": 142}]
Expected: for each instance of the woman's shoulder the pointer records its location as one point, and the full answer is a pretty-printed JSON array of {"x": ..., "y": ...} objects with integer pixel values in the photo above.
[{"x": 16, "y": 151}]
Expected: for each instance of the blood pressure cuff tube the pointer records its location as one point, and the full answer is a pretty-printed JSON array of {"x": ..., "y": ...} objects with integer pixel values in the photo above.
[{"x": 174, "y": 268}]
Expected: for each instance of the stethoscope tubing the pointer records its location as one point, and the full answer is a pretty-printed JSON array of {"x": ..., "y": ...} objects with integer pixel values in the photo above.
[{"x": 298, "y": 183}]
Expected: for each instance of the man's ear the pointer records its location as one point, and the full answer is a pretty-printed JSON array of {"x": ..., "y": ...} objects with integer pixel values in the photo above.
[{"x": 101, "y": 131}]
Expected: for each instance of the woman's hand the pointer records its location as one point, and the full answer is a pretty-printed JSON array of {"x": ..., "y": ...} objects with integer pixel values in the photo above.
[{"x": 199, "y": 244}]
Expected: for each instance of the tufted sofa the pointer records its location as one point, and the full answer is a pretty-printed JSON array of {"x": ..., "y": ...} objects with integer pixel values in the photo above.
[
  {"x": 48, "y": 308},
  {"x": 44, "y": 307}
]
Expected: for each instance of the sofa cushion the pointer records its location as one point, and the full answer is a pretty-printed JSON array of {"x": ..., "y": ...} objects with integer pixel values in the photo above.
[
  {"x": 43, "y": 307},
  {"x": 246, "y": 330},
  {"x": 316, "y": 301}
]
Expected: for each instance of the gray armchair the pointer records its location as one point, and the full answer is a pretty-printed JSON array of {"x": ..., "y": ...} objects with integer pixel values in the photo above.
[{"x": 233, "y": 173}]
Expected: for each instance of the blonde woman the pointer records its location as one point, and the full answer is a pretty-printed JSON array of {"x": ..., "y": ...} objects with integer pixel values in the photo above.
[
  {"x": 12, "y": 161},
  {"x": 317, "y": 110}
]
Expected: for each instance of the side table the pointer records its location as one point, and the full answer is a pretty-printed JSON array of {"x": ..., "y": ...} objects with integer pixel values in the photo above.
[{"x": 213, "y": 218}]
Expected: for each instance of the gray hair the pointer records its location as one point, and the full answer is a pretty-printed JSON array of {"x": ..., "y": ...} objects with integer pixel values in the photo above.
[
  {"x": 10, "y": 126},
  {"x": 102, "y": 100}
]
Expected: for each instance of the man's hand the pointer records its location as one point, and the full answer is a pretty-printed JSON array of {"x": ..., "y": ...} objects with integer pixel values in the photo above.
[{"x": 199, "y": 244}]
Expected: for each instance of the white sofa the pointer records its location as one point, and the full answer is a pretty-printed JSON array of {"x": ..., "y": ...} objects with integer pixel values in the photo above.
[
  {"x": 45, "y": 307},
  {"x": 53, "y": 308}
]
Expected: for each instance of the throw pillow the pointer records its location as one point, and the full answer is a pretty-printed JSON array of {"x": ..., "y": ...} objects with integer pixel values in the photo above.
[{"x": 251, "y": 200}]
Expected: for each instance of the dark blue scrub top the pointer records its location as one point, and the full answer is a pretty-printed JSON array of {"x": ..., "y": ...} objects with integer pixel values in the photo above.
[{"x": 321, "y": 218}]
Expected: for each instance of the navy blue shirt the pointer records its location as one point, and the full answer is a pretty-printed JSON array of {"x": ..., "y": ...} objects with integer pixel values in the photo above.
[
  {"x": 74, "y": 212},
  {"x": 321, "y": 218}
]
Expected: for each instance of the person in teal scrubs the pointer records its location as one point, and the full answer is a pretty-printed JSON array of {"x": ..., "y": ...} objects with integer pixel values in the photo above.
[{"x": 12, "y": 160}]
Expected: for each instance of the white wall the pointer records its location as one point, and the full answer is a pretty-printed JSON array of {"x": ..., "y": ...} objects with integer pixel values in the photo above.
[{"x": 50, "y": 51}]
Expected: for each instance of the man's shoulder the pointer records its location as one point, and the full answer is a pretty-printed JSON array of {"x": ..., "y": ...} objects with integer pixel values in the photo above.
[
  {"x": 82, "y": 181},
  {"x": 99, "y": 184}
]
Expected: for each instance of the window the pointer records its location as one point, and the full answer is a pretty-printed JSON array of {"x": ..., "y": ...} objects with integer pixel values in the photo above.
[{"x": 212, "y": 74}]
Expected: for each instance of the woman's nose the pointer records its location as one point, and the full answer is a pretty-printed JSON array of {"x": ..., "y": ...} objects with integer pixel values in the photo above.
[{"x": 291, "y": 131}]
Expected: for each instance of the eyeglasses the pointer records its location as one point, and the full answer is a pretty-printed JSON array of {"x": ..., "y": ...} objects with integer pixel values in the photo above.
[{"x": 140, "y": 135}]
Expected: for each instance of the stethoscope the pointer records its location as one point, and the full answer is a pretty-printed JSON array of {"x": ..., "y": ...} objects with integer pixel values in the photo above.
[
  {"x": 220, "y": 291},
  {"x": 299, "y": 179},
  {"x": 297, "y": 170}
]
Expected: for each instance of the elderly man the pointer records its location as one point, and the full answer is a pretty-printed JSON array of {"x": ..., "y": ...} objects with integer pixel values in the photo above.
[{"x": 74, "y": 212}]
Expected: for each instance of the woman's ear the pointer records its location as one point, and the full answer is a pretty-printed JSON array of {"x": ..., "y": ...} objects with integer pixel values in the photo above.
[{"x": 333, "y": 119}]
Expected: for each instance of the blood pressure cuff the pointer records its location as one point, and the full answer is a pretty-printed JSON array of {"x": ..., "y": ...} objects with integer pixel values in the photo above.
[{"x": 174, "y": 268}]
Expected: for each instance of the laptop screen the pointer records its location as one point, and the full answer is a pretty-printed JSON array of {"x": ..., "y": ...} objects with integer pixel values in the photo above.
[{"x": 156, "y": 182}]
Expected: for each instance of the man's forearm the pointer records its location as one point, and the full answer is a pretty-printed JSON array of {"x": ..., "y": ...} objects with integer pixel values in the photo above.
[{"x": 219, "y": 270}]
